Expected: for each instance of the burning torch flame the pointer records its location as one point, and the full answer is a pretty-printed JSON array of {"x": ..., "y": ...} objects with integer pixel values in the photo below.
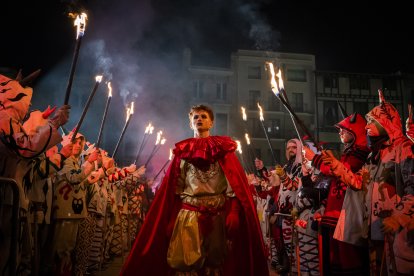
[
  {"x": 159, "y": 133},
  {"x": 273, "y": 83},
  {"x": 279, "y": 76},
  {"x": 80, "y": 22},
  {"x": 132, "y": 108},
  {"x": 163, "y": 141},
  {"x": 148, "y": 128},
  {"x": 127, "y": 114},
  {"x": 98, "y": 78},
  {"x": 247, "y": 138},
  {"x": 261, "y": 112},
  {"x": 239, "y": 148},
  {"x": 171, "y": 154},
  {"x": 109, "y": 90},
  {"x": 244, "y": 113}
]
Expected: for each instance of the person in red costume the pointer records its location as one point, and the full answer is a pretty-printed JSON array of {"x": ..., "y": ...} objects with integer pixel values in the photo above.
[
  {"x": 203, "y": 220},
  {"x": 341, "y": 254}
]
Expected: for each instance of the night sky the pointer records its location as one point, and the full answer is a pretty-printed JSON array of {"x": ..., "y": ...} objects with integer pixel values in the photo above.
[
  {"x": 138, "y": 46},
  {"x": 347, "y": 37}
]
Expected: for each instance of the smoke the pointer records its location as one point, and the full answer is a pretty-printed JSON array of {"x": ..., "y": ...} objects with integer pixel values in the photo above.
[{"x": 138, "y": 46}]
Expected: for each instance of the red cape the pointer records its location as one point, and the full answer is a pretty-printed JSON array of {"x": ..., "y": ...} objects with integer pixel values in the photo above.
[{"x": 149, "y": 252}]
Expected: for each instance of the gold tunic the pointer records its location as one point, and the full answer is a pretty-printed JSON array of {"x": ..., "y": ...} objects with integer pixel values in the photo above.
[{"x": 188, "y": 249}]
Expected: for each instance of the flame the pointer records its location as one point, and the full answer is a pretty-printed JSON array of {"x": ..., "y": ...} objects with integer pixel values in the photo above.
[
  {"x": 159, "y": 133},
  {"x": 148, "y": 128},
  {"x": 244, "y": 113},
  {"x": 239, "y": 148},
  {"x": 247, "y": 138},
  {"x": 151, "y": 129},
  {"x": 163, "y": 141},
  {"x": 80, "y": 22},
  {"x": 279, "y": 76},
  {"x": 261, "y": 112},
  {"x": 109, "y": 90},
  {"x": 171, "y": 154},
  {"x": 132, "y": 108},
  {"x": 98, "y": 78},
  {"x": 127, "y": 114},
  {"x": 273, "y": 84}
]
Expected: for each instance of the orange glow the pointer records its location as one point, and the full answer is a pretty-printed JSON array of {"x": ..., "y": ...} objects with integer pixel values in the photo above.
[{"x": 260, "y": 112}]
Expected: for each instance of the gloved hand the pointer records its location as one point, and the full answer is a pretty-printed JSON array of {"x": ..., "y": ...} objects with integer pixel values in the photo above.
[
  {"x": 307, "y": 153},
  {"x": 294, "y": 213},
  {"x": 140, "y": 171},
  {"x": 96, "y": 175},
  {"x": 390, "y": 224},
  {"x": 131, "y": 168},
  {"x": 330, "y": 160},
  {"x": 60, "y": 117},
  {"x": 66, "y": 150},
  {"x": 280, "y": 171},
  {"x": 232, "y": 219}
]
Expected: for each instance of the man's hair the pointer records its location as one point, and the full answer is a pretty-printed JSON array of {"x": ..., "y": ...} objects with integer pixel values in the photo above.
[{"x": 201, "y": 107}]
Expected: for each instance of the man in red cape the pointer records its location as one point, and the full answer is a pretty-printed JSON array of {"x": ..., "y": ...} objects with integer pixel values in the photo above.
[{"x": 246, "y": 254}]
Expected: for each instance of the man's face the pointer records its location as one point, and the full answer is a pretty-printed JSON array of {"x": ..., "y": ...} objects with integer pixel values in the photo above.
[
  {"x": 345, "y": 136},
  {"x": 372, "y": 128},
  {"x": 77, "y": 147},
  {"x": 291, "y": 149},
  {"x": 201, "y": 121}
]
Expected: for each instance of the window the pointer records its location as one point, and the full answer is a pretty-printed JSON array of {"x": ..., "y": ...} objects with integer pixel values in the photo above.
[
  {"x": 221, "y": 123},
  {"x": 254, "y": 98},
  {"x": 297, "y": 102},
  {"x": 354, "y": 83},
  {"x": 330, "y": 113},
  {"x": 273, "y": 128},
  {"x": 254, "y": 72},
  {"x": 221, "y": 91},
  {"x": 296, "y": 75},
  {"x": 274, "y": 103},
  {"x": 330, "y": 82},
  {"x": 198, "y": 89},
  {"x": 361, "y": 108},
  {"x": 389, "y": 84},
  {"x": 256, "y": 126}
]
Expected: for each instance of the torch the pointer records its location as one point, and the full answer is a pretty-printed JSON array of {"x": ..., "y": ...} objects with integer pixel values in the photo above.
[
  {"x": 157, "y": 145},
  {"x": 279, "y": 89},
  {"x": 250, "y": 152},
  {"x": 166, "y": 163},
  {"x": 80, "y": 22},
  {"x": 85, "y": 109},
  {"x": 130, "y": 112},
  {"x": 267, "y": 136},
  {"x": 108, "y": 101},
  {"x": 148, "y": 131},
  {"x": 240, "y": 151}
]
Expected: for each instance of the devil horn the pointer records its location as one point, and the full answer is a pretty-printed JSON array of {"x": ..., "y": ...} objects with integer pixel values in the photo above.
[
  {"x": 381, "y": 96},
  {"x": 342, "y": 110},
  {"x": 19, "y": 75},
  {"x": 27, "y": 80},
  {"x": 48, "y": 111},
  {"x": 353, "y": 118}
]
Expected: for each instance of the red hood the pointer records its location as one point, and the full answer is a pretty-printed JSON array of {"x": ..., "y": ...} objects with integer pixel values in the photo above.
[
  {"x": 355, "y": 124},
  {"x": 387, "y": 116}
]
